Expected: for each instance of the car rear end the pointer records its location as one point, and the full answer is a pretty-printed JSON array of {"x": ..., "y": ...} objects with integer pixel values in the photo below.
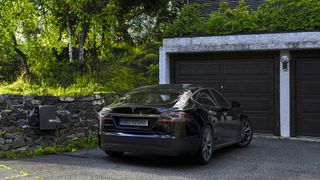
[{"x": 148, "y": 129}]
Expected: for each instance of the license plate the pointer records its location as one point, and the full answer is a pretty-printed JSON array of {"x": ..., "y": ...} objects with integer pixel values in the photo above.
[{"x": 133, "y": 122}]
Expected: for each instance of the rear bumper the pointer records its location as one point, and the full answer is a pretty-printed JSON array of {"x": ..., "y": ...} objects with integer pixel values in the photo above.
[{"x": 148, "y": 144}]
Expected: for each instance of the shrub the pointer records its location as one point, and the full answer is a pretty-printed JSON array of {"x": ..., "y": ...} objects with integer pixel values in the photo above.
[
  {"x": 189, "y": 22},
  {"x": 271, "y": 16},
  {"x": 130, "y": 67},
  {"x": 227, "y": 21},
  {"x": 282, "y": 15}
]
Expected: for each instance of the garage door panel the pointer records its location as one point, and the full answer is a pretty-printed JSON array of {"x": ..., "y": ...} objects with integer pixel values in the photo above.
[
  {"x": 310, "y": 117},
  {"x": 307, "y": 102},
  {"x": 253, "y": 103},
  {"x": 199, "y": 78},
  {"x": 310, "y": 66},
  {"x": 259, "y": 87},
  {"x": 198, "y": 68},
  {"x": 247, "y": 67},
  {"x": 308, "y": 78},
  {"x": 248, "y": 79},
  {"x": 310, "y": 105},
  {"x": 261, "y": 121},
  {"x": 308, "y": 128},
  {"x": 310, "y": 87},
  {"x": 212, "y": 83}
]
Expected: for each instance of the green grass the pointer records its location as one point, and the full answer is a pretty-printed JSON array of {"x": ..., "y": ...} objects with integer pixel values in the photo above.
[
  {"x": 24, "y": 87},
  {"x": 133, "y": 67}
]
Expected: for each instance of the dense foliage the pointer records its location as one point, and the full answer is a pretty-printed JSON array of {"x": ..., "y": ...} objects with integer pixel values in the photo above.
[
  {"x": 271, "y": 16},
  {"x": 64, "y": 47}
]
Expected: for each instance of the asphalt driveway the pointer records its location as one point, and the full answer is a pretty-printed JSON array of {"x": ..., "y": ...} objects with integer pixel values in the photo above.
[{"x": 263, "y": 159}]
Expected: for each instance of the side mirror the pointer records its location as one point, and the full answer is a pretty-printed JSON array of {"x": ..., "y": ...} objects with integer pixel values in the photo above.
[{"x": 235, "y": 104}]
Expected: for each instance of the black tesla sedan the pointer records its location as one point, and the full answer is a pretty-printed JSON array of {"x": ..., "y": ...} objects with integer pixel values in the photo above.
[{"x": 173, "y": 119}]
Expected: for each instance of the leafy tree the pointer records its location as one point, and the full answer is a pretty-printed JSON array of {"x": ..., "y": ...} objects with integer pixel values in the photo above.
[
  {"x": 59, "y": 17},
  {"x": 18, "y": 25},
  {"x": 96, "y": 25},
  {"x": 145, "y": 20},
  {"x": 78, "y": 47}
]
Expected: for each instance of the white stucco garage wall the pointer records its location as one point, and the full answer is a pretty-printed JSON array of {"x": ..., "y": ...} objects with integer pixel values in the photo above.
[{"x": 282, "y": 42}]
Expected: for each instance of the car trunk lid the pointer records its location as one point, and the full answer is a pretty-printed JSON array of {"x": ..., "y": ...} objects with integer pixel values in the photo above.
[{"x": 135, "y": 117}]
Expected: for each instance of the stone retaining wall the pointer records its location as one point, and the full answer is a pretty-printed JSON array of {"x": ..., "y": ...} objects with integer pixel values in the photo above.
[{"x": 19, "y": 119}]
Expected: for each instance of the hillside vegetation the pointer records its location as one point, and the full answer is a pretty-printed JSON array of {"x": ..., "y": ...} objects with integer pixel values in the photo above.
[{"x": 73, "y": 48}]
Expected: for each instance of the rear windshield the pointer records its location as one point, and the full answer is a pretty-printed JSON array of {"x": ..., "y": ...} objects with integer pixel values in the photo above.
[{"x": 150, "y": 97}]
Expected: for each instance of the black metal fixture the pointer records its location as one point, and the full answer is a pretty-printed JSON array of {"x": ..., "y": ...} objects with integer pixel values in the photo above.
[{"x": 285, "y": 63}]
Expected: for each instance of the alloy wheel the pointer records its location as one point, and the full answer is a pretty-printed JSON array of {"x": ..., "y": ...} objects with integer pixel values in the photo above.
[
  {"x": 207, "y": 144},
  {"x": 245, "y": 133}
]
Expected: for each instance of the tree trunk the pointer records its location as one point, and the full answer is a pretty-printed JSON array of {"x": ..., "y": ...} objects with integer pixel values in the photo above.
[
  {"x": 70, "y": 40},
  {"x": 24, "y": 57},
  {"x": 24, "y": 60},
  {"x": 83, "y": 37}
]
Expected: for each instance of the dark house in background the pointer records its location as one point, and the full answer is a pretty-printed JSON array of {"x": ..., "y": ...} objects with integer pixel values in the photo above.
[{"x": 214, "y": 4}]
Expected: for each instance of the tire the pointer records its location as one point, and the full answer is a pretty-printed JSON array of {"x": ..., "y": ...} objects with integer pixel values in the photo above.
[
  {"x": 205, "y": 151},
  {"x": 245, "y": 133},
  {"x": 114, "y": 153}
]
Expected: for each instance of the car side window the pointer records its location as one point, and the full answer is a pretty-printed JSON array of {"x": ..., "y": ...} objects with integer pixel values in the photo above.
[
  {"x": 204, "y": 97},
  {"x": 220, "y": 99}
]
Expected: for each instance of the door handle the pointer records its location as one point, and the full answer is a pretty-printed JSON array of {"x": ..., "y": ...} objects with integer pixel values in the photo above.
[{"x": 54, "y": 120}]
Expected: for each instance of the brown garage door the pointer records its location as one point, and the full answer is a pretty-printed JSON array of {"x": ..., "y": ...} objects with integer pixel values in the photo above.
[
  {"x": 249, "y": 78},
  {"x": 307, "y": 95}
]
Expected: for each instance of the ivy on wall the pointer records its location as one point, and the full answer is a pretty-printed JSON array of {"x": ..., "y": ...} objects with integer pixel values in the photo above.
[{"x": 271, "y": 16}]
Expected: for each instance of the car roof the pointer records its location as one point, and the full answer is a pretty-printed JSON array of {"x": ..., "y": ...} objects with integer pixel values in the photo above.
[{"x": 172, "y": 87}]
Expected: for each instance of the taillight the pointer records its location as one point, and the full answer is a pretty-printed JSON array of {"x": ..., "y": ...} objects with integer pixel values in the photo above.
[
  {"x": 105, "y": 118},
  {"x": 174, "y": 117},
  {"x": 104, "y": 114}
]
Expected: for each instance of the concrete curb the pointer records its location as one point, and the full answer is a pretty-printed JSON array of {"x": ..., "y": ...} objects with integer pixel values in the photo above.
[{"x": 306, "y": 139}]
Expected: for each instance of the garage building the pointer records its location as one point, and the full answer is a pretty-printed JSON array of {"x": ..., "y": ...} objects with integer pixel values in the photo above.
[{"x": 275, "y": 76}]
